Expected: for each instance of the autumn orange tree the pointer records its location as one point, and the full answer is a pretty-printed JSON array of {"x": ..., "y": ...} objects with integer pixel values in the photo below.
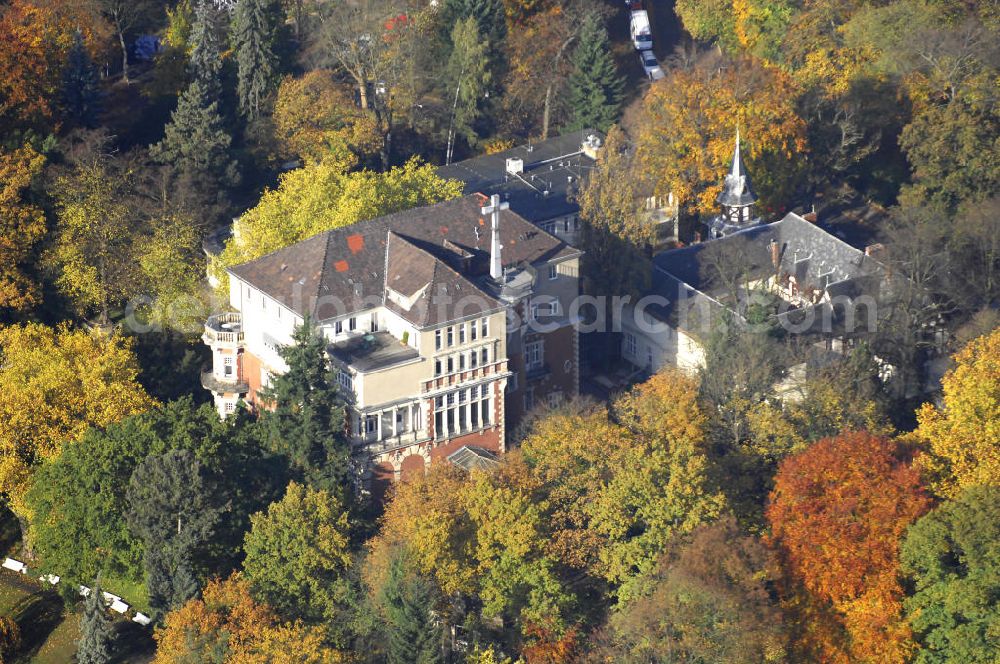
[
  {"x": 228, "y": 624},
  {"x": 689, "y": 122},
  {"x": 35, "y": 38},
  {"x": 961, "y": 438},
  {"x": 22, "y": 225},
  {"x": 315, "y": 119},
  {"x": 837, "y": 513}
]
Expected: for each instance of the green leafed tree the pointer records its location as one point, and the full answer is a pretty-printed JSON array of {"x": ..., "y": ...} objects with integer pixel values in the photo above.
[
  {"x": 255, "y": 32},
  {"x": 306, "y": 423},
  {"x": 81, "y": 94},
  {"x": 595, "y": 86},
  {"x": 297, "y": 557},
  {"x": 407, "y": 600},
  {"x": 952, "y": 556},
  {"x": 94, "y": 646}
]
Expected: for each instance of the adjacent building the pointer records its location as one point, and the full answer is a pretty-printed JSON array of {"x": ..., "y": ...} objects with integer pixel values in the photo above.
[
  {"x": 445, "y": 323},
  {"x": 791, "y": 271}
]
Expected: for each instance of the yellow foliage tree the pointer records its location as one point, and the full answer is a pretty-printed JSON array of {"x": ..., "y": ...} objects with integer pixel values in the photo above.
[
  {"x": 322, "y": 196},
  {"x": 54, "y": 385},
  {"x": 229, "y": 623},
  {"x": 22, "y": 225},
  {"x": 690, "y": 119},
  {"x": 316, "y": 119},
  {"x": 962, "y": 439}
]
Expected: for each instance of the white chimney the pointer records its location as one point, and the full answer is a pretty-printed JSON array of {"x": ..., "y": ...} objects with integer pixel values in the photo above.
[
  {"x": 493, "y": 209},
  {"x": 515, "y": 166}
]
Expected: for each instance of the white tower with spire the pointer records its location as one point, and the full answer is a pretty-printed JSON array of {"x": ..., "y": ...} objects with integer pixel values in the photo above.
[{"x": 736, "y": 198}]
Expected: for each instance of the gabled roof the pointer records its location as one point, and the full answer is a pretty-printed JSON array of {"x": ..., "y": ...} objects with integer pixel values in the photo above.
[
  {"x": 344, "y": 270},
  {"x": 435, "y": 292},
  {"x": 689, "y": 278}
]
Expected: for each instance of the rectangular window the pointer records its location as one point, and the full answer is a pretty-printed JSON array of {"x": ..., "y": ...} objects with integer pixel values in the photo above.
[
  {"x": 451, "y": 337},
  {"x": 437, "y": 339},
  {"x": 473, "y": 330},
  {"x": 473, "y": 359},
  {"x": 529, "y": 399},
  {"x": 463, "y": 423},
  {"x": 371, "y": 424},
  {"x": 345, "y": 381},
  {"x": 555, "y": 399},
  {"x": 338, "y": 327},
  {"x": 553, "y": 272},
  {"x": 484, "y": 330},
  {"x": 461, "y": 361},
  {"x": 463, "y": 395},
  {"x": 461, "y": 333},
  {"x": 438, "y": 401},
  {"x": 437, "y": 367},
  {"x": 401, "y": 423},
  {"x": 533, "y": 355},
  {"x": 450, "y": 419},
  {"x": 631, "y": 347},
  {"x": 387, "y": 421},
  {"x": 474, "y": 415},
  {"x": 438, "y": 424},
  {"x": 227, "y": 366},
  {"x": 451, "y": 364},
  {"x": 352, "y": 323},
  {"x": 484, "y": 356},
  {"x": 484, "y": 409},
  {"x": 374, "y": 324},
  {"x": 230, "y": 406}
]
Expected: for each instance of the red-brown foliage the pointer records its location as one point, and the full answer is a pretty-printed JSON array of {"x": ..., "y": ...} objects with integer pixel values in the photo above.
[{"x": 837, "y": 513}]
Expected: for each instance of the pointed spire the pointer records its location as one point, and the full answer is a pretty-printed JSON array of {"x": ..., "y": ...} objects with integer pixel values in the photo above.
[
  {"x": 736, "y": 189},
  {"x": 737, "y": 168}
]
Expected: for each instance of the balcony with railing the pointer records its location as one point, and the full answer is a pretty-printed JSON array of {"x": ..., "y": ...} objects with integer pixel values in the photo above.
[
  {"x": 224, "y": 329},
  {"x": 218, "y": 385}
]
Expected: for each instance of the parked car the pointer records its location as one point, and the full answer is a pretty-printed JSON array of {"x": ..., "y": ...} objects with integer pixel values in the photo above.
[
  {"x": 642, "y": 38},
  {"x": 650, "y": 65}
]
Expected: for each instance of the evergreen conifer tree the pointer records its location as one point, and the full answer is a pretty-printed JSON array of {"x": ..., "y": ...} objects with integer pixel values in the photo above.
[
  {"x": 254, "y": 38},
  {"x": 196, "y": 146},
  {"x": 595, "y": 86},
  {"x": 94, "y": 646},
  {"x": 174, "y": 513},
  {"x": 307, "y": 421},
  {"x": 408, "y": 599},
  {"x": 81, "y": 95},
  {"x": 205, "y": 64}
]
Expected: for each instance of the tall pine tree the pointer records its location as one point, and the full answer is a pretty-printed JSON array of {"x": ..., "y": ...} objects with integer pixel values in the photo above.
[
  {"x": 205, "y": 64},
  {"x": 94, "y": 646},
  {"x": 196, "y": 146},
  {"x": 174, "y": 513},
  {"x": 81, "y": 96},
  {"x": 306, "y": 424},
  {"x": 407, "y": 599},
  {"x": 255, "y": 31},
  {"x": 595, "y": 86}
]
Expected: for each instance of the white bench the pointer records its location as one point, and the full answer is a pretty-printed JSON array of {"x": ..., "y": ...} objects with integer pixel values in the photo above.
[
  {"x": 15, "y": 565},
  {"x": 119, "y": 606}
]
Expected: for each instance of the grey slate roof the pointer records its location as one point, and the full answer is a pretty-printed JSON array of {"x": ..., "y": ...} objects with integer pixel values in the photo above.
[
  {"x": 344, "y": 270},
  {"x": 555, "y": 165},
  {"x": 689, "y": 277}
]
